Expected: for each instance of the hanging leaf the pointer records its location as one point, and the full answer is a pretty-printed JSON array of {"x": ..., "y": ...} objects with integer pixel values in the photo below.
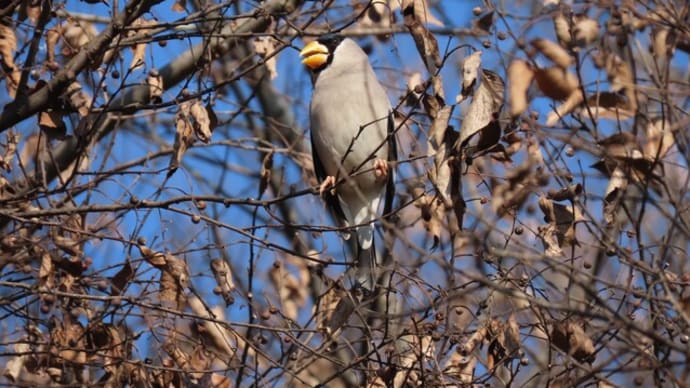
[
  {"x": 572, "y": 339},
  {"x": 8, "y": 45},
  {"x": 224, "y": 283},
  {"x": 470, "y": 72},
  {"x": 520, "y": 76},
  {"x": 554, "y": 52},
  {"x": 202, "y": 121},
  {"x": 556, "y": 83},
  {"x": 184, "y": 138},
  {"x": 265, "y": 46},
  {"x": 483, "y": 113},
  {"x": 155, "y": 82}
]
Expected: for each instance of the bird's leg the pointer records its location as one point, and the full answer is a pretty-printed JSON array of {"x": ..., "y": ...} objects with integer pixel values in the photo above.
[
  {"x": 326, "y": 184},
  {"x": 381, "y": 169}
]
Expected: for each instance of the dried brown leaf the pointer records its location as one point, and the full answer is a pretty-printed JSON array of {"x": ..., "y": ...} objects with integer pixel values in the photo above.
[
  {"x": 470, "y": 72},
  {"x": 10, "y": 147},
  {"x": 347, "y": 302},
  {"x": 571, "y": 338},
  {"x": 607, "y": 105},
  {"x": 460, "y": 367},
  {"x": 52, "y": 37},
  {"x": 184, "y": 138},
  {"x": 223, "y": 340},
  {"x": 554, "y": 52},
  {"x": 586, "y": 30},
  {"x": 660, "y": 139},
  {"x": 78, "y": 98},
  {"x": 51, "y": 124},
  {"x": 265, "y": 174},
  {"x": 520, "y": 76},
  {"x": 573, "y": 101},
  {"x": 155, "y": 82},
  {"x": 426, "y": 43},
  {"x": 8, "y": 45},
  {"x": 120, "y": 280},
  {"x": 223, "y": 275},
  {"x": 265, "y": 47},
  {"x": 202, "y": 121},
  {"x": 483, "y": 112},
  {"x": 326, "y": 306},
  {"x": 421, "y": 10},
  {"x": 556, "y": 83},
  {"x": 75, "y": 34},
  {"x": 179, "y": 6}
]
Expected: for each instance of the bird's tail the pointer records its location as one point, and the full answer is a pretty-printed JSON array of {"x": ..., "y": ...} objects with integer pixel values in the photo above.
[{"x": 366, "y": 266}]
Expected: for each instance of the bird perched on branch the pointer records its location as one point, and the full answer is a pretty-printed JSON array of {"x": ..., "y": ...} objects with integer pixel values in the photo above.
[{"x": 352, "y": 141}]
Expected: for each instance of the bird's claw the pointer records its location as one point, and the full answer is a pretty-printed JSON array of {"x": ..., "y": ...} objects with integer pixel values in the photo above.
[
  {"x": 326, "y": 184},
  {"x": 380, "y": 168}
]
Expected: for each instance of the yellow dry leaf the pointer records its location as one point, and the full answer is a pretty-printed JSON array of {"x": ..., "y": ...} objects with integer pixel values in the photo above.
[
  {"x": 573, "y": 101},
  {"x": 556, "y": 83},
  {"x": 470, "y": 71},
  {"x": 520, "y": 76},
  {"x": 554, "y": 52}
]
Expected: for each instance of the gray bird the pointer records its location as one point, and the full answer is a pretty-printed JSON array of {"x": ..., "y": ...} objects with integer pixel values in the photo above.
[{"x": 352, "y": 140}]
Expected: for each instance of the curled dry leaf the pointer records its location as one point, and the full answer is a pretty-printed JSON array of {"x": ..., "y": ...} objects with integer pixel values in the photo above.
[
  {"x": 585, "y": 31},
  {"x": 223, "y": 275},
  {"x": 292, "y": 290},
  {"x": 556, "y": 83},
  {"x": 10, "y": 148},
  {"x": 347, "y": 303},
  {"x": 460, "y": 367},
  {"x": 15, "y": 365},
  {"x": 483, "y": 113},
  {"x": 470, "y": 72},
  {"x": 426, "y": 43},
  {"x": 75, "y": 34},
  {"x": 620, "y": 76},
  {"x": 607, "y": 105},
  {"x": 184, "y": 137},
  {"x": 223, "y": 341},
  {"x": 174, "y": 277},
  {"x": 265, "y": 174},
  {"x": 202, "y": 121},
  {"x": 504, "y": 340},
  {"x": 155, "y": 82},
  {"x": 265, "y": 47},
  {"x": 139, "y": 29},
  {"x": 52, "y": 37},
  {"x": 8, "y": 45},
  {"x": 554, "y": 52},
  {"x": 421, "y": 10},
  {"x": 68, "y": 339},
  {"x": 413, "y": 350},
  {"x": 121, "y": 279},
  {"x": 78, "y": 98},
  {"x": 659, "y": 139},
  {"x": 573, "y": 101},
  {"x": 51, "y": 123},
  {"x": 520, "y": 76},
  {"x": 562, "y": 217},
  {"x": 415, "y": 89},
  {"x": 615, "y": 190},
  {"x": 571, "y": 338},
  {"x": 433, "y": 212},
  {"x": 326, "y": 306}
]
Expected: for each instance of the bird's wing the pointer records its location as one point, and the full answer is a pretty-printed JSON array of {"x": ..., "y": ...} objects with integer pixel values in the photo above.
[
  {"x": 331, "y": 200},
  {"x": 392, "y": 158}
]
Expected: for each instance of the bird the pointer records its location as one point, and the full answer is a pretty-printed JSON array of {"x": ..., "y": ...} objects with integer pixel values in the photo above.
[{"x": 353, "y": 141}]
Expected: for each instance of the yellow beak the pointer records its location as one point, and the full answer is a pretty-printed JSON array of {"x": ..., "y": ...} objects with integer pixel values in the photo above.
[{"x": 315, "y": 55}]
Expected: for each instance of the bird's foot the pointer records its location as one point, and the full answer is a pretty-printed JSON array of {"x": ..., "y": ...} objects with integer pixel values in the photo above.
[
  {"x": 381, "y": 169},
  {"x": 327, "y": 184}
]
